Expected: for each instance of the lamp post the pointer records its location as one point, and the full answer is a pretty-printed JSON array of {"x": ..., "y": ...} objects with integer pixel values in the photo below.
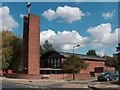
[
  {"x": 73, "y": 55},
  {"x": 74, "y": 47}
]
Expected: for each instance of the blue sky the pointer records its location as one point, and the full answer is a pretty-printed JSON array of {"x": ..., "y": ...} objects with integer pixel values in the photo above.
[{"x": 93, "y": 25}]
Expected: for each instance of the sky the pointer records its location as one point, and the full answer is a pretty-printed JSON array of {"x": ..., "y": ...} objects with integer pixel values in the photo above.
[{"x": 92, "y": 25}]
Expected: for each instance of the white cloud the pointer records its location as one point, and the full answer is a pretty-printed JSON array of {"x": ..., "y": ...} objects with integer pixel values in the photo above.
[
  {"x": 102, "y": 35},
  {"x": 46, "y": 35},
  {"x": 67, "y": 13},
  {"x": 49, "y": 14},
  {"x": 63, "y": 41},
  {"x": 108, "y": 15},
  {"x": 7, "y": 21}
]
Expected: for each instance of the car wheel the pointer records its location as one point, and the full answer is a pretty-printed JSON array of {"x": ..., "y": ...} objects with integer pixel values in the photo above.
[{"x": 108, "y": 79}]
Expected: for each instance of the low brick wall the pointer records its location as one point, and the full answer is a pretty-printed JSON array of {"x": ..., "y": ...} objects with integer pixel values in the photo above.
[
  {"x": 78, "y": 76},
  {"x": 23, "y": 76},
  {"x": 110, "y": 68},
  {"x": 51, "y": 76},
  {"x": 28, "y": 76},
  {"x": 69, "y": 76}
]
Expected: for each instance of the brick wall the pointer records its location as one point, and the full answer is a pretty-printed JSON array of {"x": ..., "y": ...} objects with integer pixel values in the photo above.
[
  {"x": 110, "y": 68},
  {"x": 25, "y": 45},
  {"x": 69, "y": 76},
  {"x": 31, "y": 44},
  {"x": 92, "y": 65},
  {"x": 34, "y": 45}
]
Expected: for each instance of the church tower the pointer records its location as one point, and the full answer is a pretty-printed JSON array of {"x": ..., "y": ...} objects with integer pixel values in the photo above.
[{"x": 31, "y": 43}]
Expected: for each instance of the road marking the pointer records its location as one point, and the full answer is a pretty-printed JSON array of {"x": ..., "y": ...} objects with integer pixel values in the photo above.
[
  {"x": 36, "y": 87},
  {"x": 29, "y": 86}
]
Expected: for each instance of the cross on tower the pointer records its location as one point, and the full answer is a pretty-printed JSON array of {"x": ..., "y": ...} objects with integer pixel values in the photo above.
[{"x": 28, "y": 7}]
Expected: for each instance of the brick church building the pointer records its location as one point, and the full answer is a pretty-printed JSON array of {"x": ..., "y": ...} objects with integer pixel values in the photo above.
[{"x": 51, "y": 64}]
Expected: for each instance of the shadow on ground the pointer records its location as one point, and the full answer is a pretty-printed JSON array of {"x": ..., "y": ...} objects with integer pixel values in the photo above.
[{"x": 115, "y": 82}]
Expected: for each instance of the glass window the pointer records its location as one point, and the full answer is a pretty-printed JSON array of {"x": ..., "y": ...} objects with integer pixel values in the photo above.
[
  {"x": 45, "y": 63},
  {"x": 55, "y": 62},
  {"x": 58, "y": 63},
  {"x": 51, "y": 63}
]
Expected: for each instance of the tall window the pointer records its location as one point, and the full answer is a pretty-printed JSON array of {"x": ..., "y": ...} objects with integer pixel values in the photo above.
[
  {"x": 45, "y": 63},
  {"x": 55, "y": 62},
  {"x": 51, "y": 63},
  {"x": 58, "y": 63}
]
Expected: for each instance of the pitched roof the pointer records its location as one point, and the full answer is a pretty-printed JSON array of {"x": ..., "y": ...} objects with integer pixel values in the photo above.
[
  {"x": 66, "y": 54},
  {"x": 82, "y": 56}
]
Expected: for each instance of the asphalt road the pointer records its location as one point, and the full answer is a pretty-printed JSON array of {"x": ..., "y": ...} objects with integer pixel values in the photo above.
[
  {"x": 6, "y": 84},
  {"x": 16, "y": 86}
]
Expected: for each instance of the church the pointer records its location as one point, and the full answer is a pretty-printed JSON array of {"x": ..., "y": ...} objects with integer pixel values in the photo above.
[{"x": 51, "y": 63}]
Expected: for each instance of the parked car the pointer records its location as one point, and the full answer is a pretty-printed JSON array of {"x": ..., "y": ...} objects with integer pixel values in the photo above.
[{"x": 108, "y": 76}]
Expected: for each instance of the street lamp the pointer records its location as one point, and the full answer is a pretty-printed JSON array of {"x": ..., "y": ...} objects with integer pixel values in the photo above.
[{"x": 74, "y": 47}]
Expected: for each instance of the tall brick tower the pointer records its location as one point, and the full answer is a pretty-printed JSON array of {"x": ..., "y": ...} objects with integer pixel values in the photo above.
[{"x": 31, "y": 44}]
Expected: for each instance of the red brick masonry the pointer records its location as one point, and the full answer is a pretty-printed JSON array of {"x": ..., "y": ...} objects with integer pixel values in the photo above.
[
  {"x": 31, "y": 45},
  {"x": 34, "y": 45}
]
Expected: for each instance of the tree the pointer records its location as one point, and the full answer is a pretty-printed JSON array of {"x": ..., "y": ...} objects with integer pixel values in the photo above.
[
  {"x": 0, "y": 50},
  {"x": 16, "y": 61},
  {"x": 41, "y": 50},
  {"x": 47, "y": 47},
  {"x": 111, "y": 61},
  {"x": 118, "y": 50},
  {"x": 73, "y": 64},
  {"x": 11, "y": 50},
  {"x": 91, "y": 53},
  {"x": 7, "y": 48}
]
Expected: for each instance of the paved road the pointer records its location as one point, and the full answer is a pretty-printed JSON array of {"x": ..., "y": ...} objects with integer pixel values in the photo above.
[
  {"x": 55, "y": 86},
  {"x": 6, "y": 84},
  {"x": 15, "y": 86}
]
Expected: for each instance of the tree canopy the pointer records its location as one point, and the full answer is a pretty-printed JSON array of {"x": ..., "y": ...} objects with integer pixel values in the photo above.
[
  {"x": 118, "y": 50},
  {"x": 46, "y": 47},
  {"x": 91, "y": 53},
  {"x": 11, "y": 50},
  {"x": 73, "y": 64},
  {"x": 16, "y": 61},
  {"x": 0, "y": 50},
  {"x": 111, "y": 61}
]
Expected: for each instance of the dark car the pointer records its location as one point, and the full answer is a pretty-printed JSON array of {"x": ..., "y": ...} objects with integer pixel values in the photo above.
[{"x": 107, "y": 76}]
